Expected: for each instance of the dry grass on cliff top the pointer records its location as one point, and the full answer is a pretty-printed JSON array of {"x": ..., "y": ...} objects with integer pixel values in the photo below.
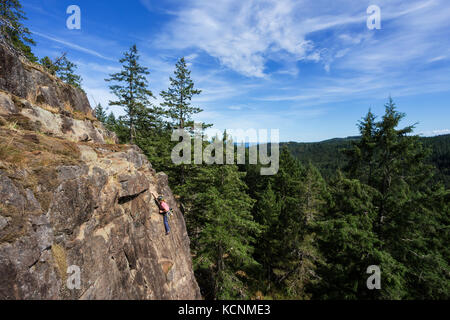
[
  {"x": 39, "y": 155},
  {"x": 28, "y": 149},
  {"x": 60, "y": 259}
]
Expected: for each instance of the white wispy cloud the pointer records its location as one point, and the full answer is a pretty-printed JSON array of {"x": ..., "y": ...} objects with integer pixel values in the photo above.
[
  {"x": 240, "y": 34},
  {"x": 439, "y": 58},
  {"x": 435, "y": 132},
  {"x": 73, "y": 46},
  {"x": 235, "y": 107},
  {"x": 371, "y": 64},
  {"x": 243, "y": 36}
]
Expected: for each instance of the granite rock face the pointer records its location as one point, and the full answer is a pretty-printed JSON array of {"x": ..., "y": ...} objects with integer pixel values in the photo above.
[
  {"x": 43, "y": 103},
  {"x": 28, "y": 81},
  {"x": 72, "y": 205}
]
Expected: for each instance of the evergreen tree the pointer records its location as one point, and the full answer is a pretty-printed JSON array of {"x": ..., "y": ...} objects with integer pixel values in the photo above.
[
  {"x": 314, "y": 194},
  {"x": 110, "y": 121},
  {"x": 267, "y": 213},
  {"x": 122, "y": 129},
  {"x": 177, "y": 98},
  {"x": 63, "y": 68},
  {"x": 350, "y": 245},
  {"x": 131, "y": 90},
  {"x": 48, "y": 64},
  {"x": 177, "y": 105},
  {"x": 12, "y": 29},
  {"x": 223, "y": 245},
  {"x": 153, "y": 136},
  {"x": 411, "y": 214},
  {"x": 100, "y": 113},
  {"x": 361, "y": 164},
  {"x": 300, "y": 192},
  {"x": 222, "y": 230},
  {"x": 287, "y": 209},
  {"x": 118, "y": 126}
]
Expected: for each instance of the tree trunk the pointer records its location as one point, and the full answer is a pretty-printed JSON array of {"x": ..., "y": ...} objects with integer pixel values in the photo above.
[{"x": 131, "y": 115}]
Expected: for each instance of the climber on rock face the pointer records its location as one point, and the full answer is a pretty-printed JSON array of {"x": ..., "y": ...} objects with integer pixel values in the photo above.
[{"x": 164, "y": 209}]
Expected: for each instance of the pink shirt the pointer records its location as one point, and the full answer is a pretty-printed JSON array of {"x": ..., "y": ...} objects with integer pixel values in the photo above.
[{"x": 164, "y": 206}]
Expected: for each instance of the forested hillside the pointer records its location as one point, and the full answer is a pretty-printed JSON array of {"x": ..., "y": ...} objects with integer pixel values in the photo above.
[
  {"x": 440, "y": 156},
  {"x": 328, "y": 155}
]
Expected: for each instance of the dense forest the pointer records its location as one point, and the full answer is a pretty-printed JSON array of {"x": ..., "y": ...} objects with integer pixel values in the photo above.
[
  {"x": 312, "y": 230},
  {"x": 327, "y": 155}
]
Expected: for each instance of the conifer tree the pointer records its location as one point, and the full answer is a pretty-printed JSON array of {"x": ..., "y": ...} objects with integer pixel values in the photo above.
[
  {"x": 131, "y": 90},
  {"x": 153, "y": 136},
  {"x": 63, "y": 68},
  {"x": 287, "y": 232},
  {"x": 100, "y": 113},
  {"x": 361, "y": 164},
  {"x": 48, "y": 64},
  {"x": 410, "y": 215},
  {"x": 288, "y": 248},
  {"x": 224, "y": 243},
  {"x": 267, "y": 213},
  {"x": 118, "y": 126},
  {"x": 222, "y": 230},
  {"x": 313, "y": 194},
  {"x": 177, "y": 98},
  {"x": 177, "y": 106},
  {"x": 110, "y": 121},
  {"x": 350, "y": 245},
  {"x": 12, "y": 29}
]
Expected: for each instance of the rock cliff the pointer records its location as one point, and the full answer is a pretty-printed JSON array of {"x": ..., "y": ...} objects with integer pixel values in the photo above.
[{"x": 71, "y": 197}]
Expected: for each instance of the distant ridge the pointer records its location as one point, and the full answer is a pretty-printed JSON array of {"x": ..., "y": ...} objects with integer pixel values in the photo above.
[{"x": 327, "y": 156}]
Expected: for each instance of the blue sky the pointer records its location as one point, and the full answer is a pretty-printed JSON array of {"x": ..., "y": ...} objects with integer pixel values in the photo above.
[{"x": 311, "y": 69}]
